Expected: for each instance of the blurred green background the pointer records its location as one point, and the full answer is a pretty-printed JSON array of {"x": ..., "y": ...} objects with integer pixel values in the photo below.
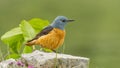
[{"x": 95, "y": 33}]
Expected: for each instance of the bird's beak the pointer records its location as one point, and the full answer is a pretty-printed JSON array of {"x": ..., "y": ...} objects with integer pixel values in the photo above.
[{"x": 70, "y": 20}]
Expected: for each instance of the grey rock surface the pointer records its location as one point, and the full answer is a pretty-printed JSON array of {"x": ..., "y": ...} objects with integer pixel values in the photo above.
[{"x": 39, "y": 59}]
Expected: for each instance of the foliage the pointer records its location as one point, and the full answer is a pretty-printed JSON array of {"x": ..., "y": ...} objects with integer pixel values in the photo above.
[{"x": 17, "y": 37}]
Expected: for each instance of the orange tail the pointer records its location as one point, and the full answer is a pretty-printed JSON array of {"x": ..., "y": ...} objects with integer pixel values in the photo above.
[{"x": 30, "y": 43}]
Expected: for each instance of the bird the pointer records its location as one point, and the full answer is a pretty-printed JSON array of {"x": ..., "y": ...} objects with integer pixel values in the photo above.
[{"x": 53, "y": 35}]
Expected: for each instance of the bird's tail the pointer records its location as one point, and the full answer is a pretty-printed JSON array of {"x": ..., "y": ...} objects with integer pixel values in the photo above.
[{"x": 30, "y": 43}]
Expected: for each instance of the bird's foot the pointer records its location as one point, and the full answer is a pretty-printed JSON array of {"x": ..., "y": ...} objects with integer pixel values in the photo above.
[{"x": 56, "y": 51}]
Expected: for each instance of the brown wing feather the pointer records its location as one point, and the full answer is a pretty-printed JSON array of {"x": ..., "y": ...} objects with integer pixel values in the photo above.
[{"x": 45, "y": 31}]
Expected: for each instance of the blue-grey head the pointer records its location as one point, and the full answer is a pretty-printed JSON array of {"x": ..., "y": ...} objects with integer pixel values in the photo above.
[{"x": 60, "y": 22}]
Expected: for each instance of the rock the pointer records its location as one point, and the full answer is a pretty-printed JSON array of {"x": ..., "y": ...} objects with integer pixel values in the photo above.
[
  {"x": 39, "y": 59},
  {"x": 7, "y": 63},
  {"x": 12, "y": 63}
]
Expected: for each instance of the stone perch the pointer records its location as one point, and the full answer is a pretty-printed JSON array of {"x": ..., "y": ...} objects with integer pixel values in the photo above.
[{"x": 39, "y": 59}]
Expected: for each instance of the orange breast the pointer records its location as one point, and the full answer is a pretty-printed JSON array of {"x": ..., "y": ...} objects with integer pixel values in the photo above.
[{"x": 52, "y": 40}]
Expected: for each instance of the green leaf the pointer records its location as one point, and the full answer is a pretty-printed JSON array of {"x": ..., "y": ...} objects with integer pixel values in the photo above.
[
  {"x": 47, "y": 50},
  {"x": 15, "y": 56},
  {"x": 27, "y": 49},
  {"x": 12, "y": 38},
  {"x": 17, "y": 36},
  {"x": 27, "y": 30},
  {"x": 14, "y": 32},
  {"x": 15, "y": 46},
  {"x": 38, "y": 24}
]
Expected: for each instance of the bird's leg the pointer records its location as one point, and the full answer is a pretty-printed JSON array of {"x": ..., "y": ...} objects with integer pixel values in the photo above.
[
  {"x": 55, "y": 51},
  {"x": 56, "y": 66},
  {"x": 33, "y": 47}
]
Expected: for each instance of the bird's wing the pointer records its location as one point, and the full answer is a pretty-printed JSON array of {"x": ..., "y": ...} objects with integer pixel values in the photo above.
[{"x": 45, "y": 31}]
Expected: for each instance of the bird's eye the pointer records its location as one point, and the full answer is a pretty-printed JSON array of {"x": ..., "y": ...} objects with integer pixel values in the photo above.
[{"x": 63, "y": 20}]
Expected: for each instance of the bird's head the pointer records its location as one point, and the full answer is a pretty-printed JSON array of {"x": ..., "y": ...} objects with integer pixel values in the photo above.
[{"x": 60, "y": 22}]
